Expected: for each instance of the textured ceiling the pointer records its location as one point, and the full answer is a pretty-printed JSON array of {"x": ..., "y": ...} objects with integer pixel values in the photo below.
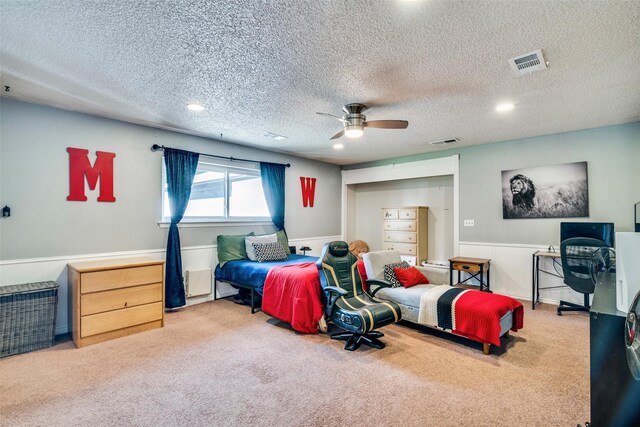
[{"x": 268, "y": 66}]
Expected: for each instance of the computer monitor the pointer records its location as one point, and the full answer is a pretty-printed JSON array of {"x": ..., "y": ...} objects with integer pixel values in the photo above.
[{"x": 595, "y": 230}]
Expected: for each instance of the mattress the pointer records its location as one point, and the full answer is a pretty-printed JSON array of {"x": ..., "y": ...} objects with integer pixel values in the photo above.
[
  {"x": 252, "y": 274},
  {"x": 409, "y": 301}
]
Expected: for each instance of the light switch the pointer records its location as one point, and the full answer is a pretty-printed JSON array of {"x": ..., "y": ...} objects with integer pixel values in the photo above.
[{"x": 468, "y": 223}]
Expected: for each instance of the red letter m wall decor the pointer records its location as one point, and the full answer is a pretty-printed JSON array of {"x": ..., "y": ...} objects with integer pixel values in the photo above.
[
  {"x": 79, "y": 167},
  {"x": 308, "y": 190}
]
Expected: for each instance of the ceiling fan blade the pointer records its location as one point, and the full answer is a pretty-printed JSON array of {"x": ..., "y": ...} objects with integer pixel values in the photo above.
[
  {"x": 387, "y": 124},
  {"x": 335, "y": 117},
  {"x": 337, "y": 135}
]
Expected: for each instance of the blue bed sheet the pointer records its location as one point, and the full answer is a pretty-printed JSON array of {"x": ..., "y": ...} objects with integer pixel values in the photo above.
[{"x": 253, "y": 274}]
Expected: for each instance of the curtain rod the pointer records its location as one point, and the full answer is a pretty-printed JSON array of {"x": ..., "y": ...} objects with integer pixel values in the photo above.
[{"x": 156, "y": 147}]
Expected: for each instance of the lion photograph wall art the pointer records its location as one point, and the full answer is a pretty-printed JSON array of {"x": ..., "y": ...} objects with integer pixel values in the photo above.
[{"x": 556, "y": 191}]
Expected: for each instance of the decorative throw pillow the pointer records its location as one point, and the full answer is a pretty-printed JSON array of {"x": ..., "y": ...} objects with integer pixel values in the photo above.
[
  {"x": 231, "y": 247},
  {"x": 409, "y": 277},
  {"x": 282, "y": 238},
  {"x": 272, "y": 251},
  {"x": 389, "y": 274},
  {"x": 250, "y": 240},
  {"x": 363, "y": 274}
]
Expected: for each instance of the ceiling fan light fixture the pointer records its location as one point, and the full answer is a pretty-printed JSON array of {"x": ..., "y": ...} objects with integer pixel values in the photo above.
[
  {"x": 353, "y": 131},
  {"x": 354, "y": 122}
]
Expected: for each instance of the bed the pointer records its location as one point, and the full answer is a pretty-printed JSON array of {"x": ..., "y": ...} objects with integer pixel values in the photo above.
[
  {"x": 251, "y": 275},
  {"x": 476, "y": 315},
  {"x": 289, "y": 289},
  {"x": 480, "y": 316}
]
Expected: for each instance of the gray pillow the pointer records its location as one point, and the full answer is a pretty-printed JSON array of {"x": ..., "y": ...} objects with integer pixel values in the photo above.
[
  {"x": 263, "y": 238},
  {"x": 390, "y": 275}
]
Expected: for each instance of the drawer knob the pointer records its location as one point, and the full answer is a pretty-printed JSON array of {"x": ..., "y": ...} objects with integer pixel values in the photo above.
[
  {"x": 466, "y": 267},
  {"x": 125, "y": 303}
]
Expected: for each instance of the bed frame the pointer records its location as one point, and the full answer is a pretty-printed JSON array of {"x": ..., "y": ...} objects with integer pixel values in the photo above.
[{"x": 237, "y": 285}]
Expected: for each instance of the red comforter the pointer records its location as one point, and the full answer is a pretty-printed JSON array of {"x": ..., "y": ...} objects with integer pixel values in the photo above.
[
  {"x": 478, "y": 315},
  {"x": 292, "y": 294}
]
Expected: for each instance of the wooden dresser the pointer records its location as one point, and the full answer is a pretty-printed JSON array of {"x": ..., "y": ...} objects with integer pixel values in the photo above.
[
  {"x": 113, "y": 298},
  {"x": 405, "y": 230}
]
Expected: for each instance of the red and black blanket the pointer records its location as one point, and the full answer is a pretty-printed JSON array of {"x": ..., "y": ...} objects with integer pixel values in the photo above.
[
  {"x": 470, "y": 313},
  {"x": 292, "y": 294}
]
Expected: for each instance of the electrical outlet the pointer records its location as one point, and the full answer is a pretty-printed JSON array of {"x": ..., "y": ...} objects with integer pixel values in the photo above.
[{"x": 468, "y": 223}]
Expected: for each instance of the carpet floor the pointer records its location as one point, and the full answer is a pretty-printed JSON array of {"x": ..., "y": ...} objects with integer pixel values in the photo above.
[{"x": 215, "y": 364}]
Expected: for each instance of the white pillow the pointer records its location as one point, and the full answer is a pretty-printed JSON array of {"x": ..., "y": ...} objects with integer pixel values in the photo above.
[
  {"x": 374, "y": 262},
  {"x": 249, "y": 240}
]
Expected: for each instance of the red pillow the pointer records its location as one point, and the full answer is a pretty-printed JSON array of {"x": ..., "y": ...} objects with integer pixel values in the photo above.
[
  {"x": 409, "y": 277},
  {"x": 363, "y": 274}
]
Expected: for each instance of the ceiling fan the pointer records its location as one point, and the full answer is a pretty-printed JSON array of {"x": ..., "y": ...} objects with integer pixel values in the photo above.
[{"x": 354, "y": 122}]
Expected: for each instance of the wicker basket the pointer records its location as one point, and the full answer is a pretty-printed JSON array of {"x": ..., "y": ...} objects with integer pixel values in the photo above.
[{"x": 27, "y": 317}]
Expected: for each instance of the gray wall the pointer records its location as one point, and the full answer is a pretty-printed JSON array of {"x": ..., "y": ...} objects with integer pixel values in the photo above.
[
  {"x": 613, "y": 157},
  {"x": 34, "y": 182}
]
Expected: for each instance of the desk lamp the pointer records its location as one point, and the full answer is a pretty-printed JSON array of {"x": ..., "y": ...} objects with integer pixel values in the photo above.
[{"x": 304, "y": 249}]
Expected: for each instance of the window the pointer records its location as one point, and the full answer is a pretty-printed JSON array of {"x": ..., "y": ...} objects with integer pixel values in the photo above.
[{"x": 221, "y": 193}]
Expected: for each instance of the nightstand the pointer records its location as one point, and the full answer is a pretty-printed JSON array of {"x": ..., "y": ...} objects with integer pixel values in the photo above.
[{"x": 476, "y": 267}]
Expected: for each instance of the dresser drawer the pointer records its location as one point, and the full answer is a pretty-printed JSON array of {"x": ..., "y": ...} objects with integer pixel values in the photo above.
[
  {"x": 98, "y": 302},
  {"x": 463, "y": 266},
  {"x": 407, "y": 214},
  {"x": 120, "y": 278},
  {"x": 403, "y": 248},
  {"x": 389, "y": 213},
  {"x": 399, "y": 225},
  {"x": 118, "y": 319},
  {"x": 399, "y": 236}
]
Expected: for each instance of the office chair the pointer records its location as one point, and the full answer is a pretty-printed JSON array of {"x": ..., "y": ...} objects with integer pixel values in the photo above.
[
  {"x": 576, "y": 255},
  {"x": 347, "y": 305}
]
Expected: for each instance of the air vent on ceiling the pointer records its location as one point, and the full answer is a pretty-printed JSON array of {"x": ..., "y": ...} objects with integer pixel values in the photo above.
[
  {"x": 275, "y": 136},
  {"x": 528, "y": 63},
  {"x": 444, "y": 141}
]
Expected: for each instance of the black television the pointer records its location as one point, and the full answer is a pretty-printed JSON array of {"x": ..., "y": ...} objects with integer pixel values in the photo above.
[{"x": 595, "y": 230}]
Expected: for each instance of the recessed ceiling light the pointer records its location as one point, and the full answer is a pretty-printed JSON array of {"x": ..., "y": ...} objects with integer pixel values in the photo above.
[
  {"x": 338, "y": 146},
  {"x": 275, "y": 136},
  {"x": 506, "y": 106},
  {"x": 195, "y": 107}
]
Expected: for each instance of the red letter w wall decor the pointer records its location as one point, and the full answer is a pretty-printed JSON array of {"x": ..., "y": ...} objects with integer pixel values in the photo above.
[
  {"x": 79, "y": 167},
  {"x": 308, "y": 190}
]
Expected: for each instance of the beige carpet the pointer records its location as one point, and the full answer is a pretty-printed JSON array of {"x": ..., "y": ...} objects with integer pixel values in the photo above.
[{"x": 215, "y": 364}]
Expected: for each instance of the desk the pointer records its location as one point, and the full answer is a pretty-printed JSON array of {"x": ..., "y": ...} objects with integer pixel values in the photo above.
[
  {"x": 474, "y": 266},
  {"x": 535, "y": 280}
]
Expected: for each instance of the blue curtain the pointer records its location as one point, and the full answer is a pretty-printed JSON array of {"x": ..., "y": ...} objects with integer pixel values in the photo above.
[
  {"x": 272, "y": 176},
  {"x": 181, "y": 168}
]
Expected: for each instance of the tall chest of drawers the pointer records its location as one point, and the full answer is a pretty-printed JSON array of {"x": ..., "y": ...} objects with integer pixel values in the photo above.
[
  {"x": 404, "y": 229},
  {"x": 114, "y": 298}
]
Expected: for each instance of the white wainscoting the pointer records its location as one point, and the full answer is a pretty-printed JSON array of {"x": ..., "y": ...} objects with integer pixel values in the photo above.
[
  {"x": 512, "y": 271},
  {"x": 55, "y": 268}
]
